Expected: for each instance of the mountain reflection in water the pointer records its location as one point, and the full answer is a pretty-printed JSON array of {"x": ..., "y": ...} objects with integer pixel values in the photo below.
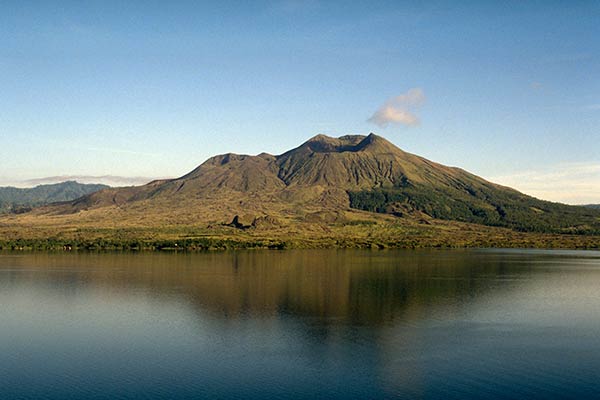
[
  {"x": 298, "y": 324},
  {"x": 334, "y": 286}
]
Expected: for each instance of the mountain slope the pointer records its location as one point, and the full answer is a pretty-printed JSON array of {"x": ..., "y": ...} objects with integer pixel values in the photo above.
[
  {"x": 323, "y": 180},
  {"x": 16, "y": 199}
]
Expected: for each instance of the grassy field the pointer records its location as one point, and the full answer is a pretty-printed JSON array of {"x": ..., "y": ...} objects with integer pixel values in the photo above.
[{"x": 355, "y": 230}]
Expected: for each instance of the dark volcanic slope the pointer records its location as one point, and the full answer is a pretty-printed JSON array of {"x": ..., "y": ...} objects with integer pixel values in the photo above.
[{"x": 355, "y": 171}]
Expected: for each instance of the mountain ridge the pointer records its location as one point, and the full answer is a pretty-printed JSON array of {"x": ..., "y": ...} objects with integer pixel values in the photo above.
[
  {"x": 325, "y": 186},
  {"x": 13, "y": 199}
]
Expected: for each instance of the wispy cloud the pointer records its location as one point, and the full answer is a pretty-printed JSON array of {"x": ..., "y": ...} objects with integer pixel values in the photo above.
[
  {"x": 400, "y": 109},
  {"x": 110, "y": 180},
  {"x": 566, "y": 58},
  {"x": 571, "y": 183},
  {"x": 536, "y": 85},
  {"x": 118, "y": 151}
]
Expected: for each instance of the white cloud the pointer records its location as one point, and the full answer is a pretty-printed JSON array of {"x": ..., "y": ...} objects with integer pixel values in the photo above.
[
  {"x": 400, "y": 109},
  {"x": 571, "y": 183}
]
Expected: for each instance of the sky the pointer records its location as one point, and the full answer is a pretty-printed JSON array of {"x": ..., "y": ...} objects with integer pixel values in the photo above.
[{"x": 507, "y": 90}]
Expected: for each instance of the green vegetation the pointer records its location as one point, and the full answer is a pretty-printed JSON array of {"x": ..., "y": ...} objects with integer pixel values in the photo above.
[
  {"x": 16, "y": 200},
  {"x": 136, "y": 245},
  {"x": 482, "y": 205}
]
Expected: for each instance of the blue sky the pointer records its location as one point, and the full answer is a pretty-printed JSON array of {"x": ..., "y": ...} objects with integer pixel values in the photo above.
[{"x": 507, "y": 90}]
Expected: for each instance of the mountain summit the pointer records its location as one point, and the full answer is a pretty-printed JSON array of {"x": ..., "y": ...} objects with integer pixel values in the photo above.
[
  {"x": 348, "y": 143},
  {"x": 327, "y": 179}
]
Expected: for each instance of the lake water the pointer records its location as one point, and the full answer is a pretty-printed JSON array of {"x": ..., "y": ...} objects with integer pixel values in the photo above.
[{"x": 301, "y": 324}]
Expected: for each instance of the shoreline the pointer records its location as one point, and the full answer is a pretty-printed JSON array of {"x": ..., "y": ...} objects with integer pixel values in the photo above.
[{"x": 558, "y": 242}]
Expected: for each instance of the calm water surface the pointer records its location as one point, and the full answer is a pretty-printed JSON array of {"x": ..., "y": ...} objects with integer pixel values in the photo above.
[{"x": 301, "y": 324}]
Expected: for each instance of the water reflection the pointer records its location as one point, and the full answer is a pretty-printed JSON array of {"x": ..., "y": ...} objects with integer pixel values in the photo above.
[
  {"x": 334, "y": 287},
  {"x": 300, "y": 324}
]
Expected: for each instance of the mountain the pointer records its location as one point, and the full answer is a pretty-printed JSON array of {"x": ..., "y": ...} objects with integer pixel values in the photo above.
[
  {"x": 355, "y": 188},
  {"x": 19, "y": 200},
  {"x": 595, "y": 206},
  {"x": 362, "y": 172}
]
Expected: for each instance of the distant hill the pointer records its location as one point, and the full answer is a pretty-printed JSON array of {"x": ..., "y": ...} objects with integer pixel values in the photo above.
[
  {"x": 333, "y": 174},
  {"x": 18, "y": 200},
  {"x": 595, "y": 206}
]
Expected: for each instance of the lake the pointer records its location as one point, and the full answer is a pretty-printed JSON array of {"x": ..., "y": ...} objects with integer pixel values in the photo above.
[{"x": 445, "y": 324}]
